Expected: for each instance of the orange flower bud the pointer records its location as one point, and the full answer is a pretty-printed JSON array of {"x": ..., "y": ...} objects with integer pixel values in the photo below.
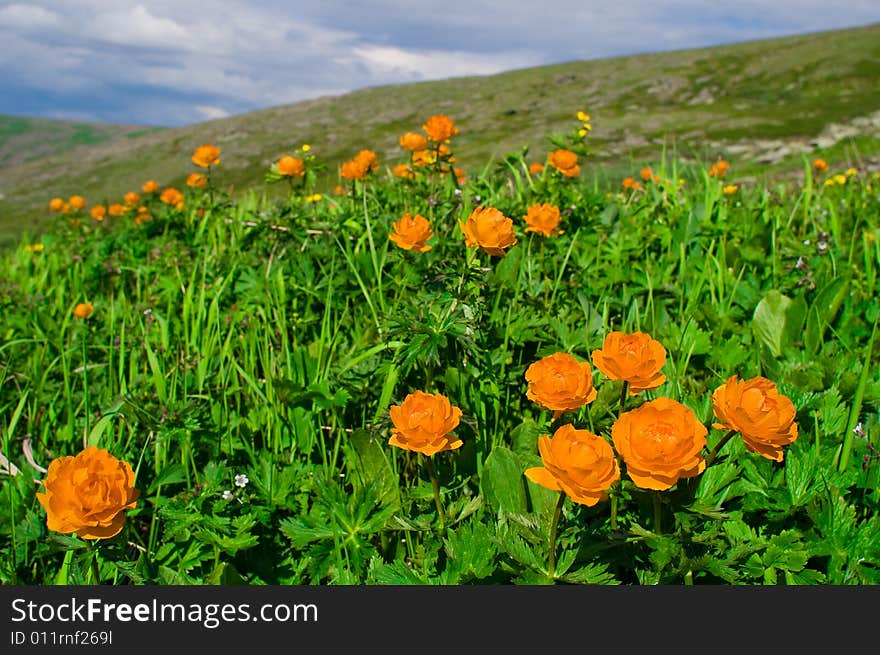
[
  {"x": 561, "y": 383},
  {"x": 83, "y": 310},
  {"x": 719, "y": 168},
  {"x": 290, "y": 166},
  {"x": 412, "y": 233},
  {"x": 77, "y": 202},
  {"x": 660, "y": 443},
  {"x": 404, "y": 171},
  {"x": 98, "y": 212},
  {"x": 489, "y": 229},
  {"x": 423, "y": 423},
  {"x": 150, "y": 186},
  {"x": 755, "y": 408},
  {"x": 206, "y": 155},
  {"x": 564, "y": 161},
  {"x": 116, "y": 209},
  {"x": 171, "y": 196},
  {"x": 634, "y": 358},
  {"x": 131, "y": 198},
  {"x": 577, "y": 462},
  {"x": 646, "y": 174},
  {"x": 88, "y": 494},
  {"x": 413, "y": 141},
  {"x": 440, "y": 128},
  {"x": 543, "y": 219},
  {"x": 536, "y": 167},
  {"x": 56, "y": 204}
]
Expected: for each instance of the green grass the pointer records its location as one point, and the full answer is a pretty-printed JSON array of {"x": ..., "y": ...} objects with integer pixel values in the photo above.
[
  {"x": 699, "y": 102},
  {"x": 263, "y": 334}
]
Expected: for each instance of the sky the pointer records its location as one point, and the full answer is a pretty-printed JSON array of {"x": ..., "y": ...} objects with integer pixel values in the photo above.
[{"x": 180, "y": 62}]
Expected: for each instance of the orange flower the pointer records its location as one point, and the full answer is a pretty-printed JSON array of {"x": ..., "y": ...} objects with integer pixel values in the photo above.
[
  {"x": 634, "y": 358},
  {"x": 423, "y": 423},
  {"x": 423, "y": 158},
  {"x": 631, "y": 183},
  {"x": 460, "y": 175},
  {"x": 646, "y": 174},
  {"x": 489, "y": 229},
  {"x": 171, "y": 196},
  {"x": 358, "y": 167},
  {"x": 412, "y": 233},
  {"x": 196, "y": 180},
  {"x": 56, "y": 204},
  {"x": 577, "y": 462},
  {"x": 564, "y": 161},
  {"x": 291, "y": 166},
  {"x": 660, "y": 443},
  {"x": 116, "y": 209},
  {"x": 131, "y": 198},
  {"x": 88, "y": 494},
  {"x": 150, "y": 186},
  {"x": 440, "y": 128},
  {"x": 98, "y": 212},
  {"x": 404, "y": 171},
  {"x": 730, "y": 189},
  {"x": 820, "y": 165},
  {"x": 719, "y": 168},
  {"x": 206, "y": 156},
  {"x": 756, "y": 409},
  {"x": 543, "y": 219},
  {"x": 368, "y": 160},
  {"x": 83, "y": 310},
  {"x": 561, "y": 383},
  {"x": 413, "y": 141},
  {"x": 536, "y": 167},
  {"x": 77, "y": 202}
]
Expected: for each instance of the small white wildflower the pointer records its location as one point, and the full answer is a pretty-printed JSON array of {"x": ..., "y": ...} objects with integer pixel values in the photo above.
[
  {"x": 457, "y": 193},
  {"x": 227, "y": 494},
  {"x": 859, "y": 431},
  {"x": 241, "y": 480}
]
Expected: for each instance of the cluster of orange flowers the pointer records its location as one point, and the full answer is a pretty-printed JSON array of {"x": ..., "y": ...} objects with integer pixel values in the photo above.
[
  {"x": 719, "y": 168},
  {"x": 361, "y": 165},
  {"x": 430, "y": 149},
  {"x": 486, "y": 228},
  {"x": 661, "y": 441}
]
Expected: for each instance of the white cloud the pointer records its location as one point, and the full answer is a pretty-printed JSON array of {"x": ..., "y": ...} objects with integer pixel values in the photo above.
[
  {"x": 28, "y": 17},
  {"x": 389, "y": 61},
  {"x": 207, "y": 112}
]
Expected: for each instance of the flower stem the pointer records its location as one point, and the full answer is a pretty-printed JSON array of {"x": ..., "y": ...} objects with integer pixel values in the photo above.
[
  {"x": 94, "y": 569},
  {"x": 614, "y": 510},
  {"x": 658, "y": 513},
  {"x": 435, "y": 485},
  {"x": 551, "y": 565},
  {"x": 623, "y": 391},
  {"x": 86, "y": 380},
  {"x": 711, "y": 457}
]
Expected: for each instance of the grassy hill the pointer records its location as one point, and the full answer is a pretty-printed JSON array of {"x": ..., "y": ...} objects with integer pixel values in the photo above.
[{"x": 761, "y": 104}]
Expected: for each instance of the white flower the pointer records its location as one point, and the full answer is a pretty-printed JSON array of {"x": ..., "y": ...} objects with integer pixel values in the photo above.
[
  {"x": 227, "y": 494},
  {"x": 241, "y": 480}
]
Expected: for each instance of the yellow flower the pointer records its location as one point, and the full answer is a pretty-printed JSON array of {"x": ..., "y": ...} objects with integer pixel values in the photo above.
[
  {"x": 583, "y": 117},
  {"x": 306, "y": 147},
  {"x": 315, "y": 197},
  {"x": 582, "y": 132},
  {"x": 851, "y": 171},
  {"x": 34, "y": 247},
  {"x": 840, "y": 179},
  {"x": 730, "y": 189}
]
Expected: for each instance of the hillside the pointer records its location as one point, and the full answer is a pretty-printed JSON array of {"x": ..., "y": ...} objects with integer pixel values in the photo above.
[{"x": 761, "y": 104}]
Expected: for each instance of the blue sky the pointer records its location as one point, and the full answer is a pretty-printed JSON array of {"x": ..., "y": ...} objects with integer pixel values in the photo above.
[{"x": 178, "y": 62}]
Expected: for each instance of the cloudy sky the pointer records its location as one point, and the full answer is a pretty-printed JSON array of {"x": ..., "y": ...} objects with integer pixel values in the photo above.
[{"x": 177, "y": 62}]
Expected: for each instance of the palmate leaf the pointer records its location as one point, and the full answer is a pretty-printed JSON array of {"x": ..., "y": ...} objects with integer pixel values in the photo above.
[{"x": 392, "y": 573}]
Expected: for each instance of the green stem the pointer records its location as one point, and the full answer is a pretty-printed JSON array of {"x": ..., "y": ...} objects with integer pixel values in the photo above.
[
  {"x": 623, "y": 391},
  {"x": 658, "y": 512},
  {"x": 551, "y": 565},
  {"x": 727, "y": 437},
  {"x": 614, "y": 511},
  {"x": 86, "y": 377},
  {"x": 94, "y": 570},
  {"x": 435, "y": 486}
]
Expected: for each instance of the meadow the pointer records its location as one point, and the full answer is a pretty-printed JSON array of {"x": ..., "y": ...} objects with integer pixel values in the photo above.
[{"x": 434, "y": 376}]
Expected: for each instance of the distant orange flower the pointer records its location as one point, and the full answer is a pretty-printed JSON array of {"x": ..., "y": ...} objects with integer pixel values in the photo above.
[
  {"x": 423, "y": 423},
  {"x": 98, "y": 212},
  {"x": 357, "y": 168},
  {"x": 206, "y": 155},
  {"x": 646, "y": 173},
  {"x": 150, "y": 186},
  {"x": 173, "y": 197},
  {"x": 560, "y": 382},
  {"x": 631, "y": 183},
  {"x": 544, "y": 219},
  {"x": 413, "y": 141},
  {"x": 489, "y": 229},
  {"x": 719, "y": 168},
  {"x": 116, "y": 209},
  {"x": 403, "y": 170},
  {"x": 83, "y": 310},
  {"x": 368, "y": 160},
  {"x": 131, "y": 198},
  {"x": 820, "y": 165},
  {"x": 196, "y": 180},
  {"x": 56, "y": 204},
  {"x": 290, "y": 166},
  {"x": 412, "y": 233},
  {"x": 536, "y": 167},
  {"x": 564, "y": 161},
  {"x": 143, "y": 215},
  {"x": 460, "y": 175},
  {"x": 764, "y": 417},
  {"x": 578, "y": 462},
  {"x": 660, "y": 442},
  {"x": 423, "y": 158},
  {"x": 635, "y": 358},
  {"x": 77, "y": 202},
  {"x": 440, "y": 128}
]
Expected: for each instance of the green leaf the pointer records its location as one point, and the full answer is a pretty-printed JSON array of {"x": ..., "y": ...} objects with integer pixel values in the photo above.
[
  {"x": 502, "y": 481},
  {"x": 822, "y": 312},
  {"x": 372, "y": 463},
  {"x": 776, "y": 319}
]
